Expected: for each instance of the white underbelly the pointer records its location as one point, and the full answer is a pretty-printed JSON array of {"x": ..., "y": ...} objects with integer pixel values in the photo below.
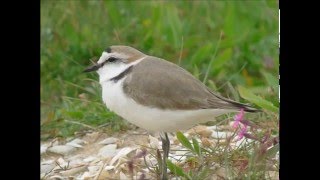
[{"x": 153, "y": 119}]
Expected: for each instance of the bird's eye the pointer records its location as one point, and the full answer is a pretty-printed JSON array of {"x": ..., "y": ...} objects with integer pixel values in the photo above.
[{"x": 112, "y": 59}]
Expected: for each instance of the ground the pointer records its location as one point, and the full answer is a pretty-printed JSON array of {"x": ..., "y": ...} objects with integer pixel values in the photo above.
[{"x": 97, "y": 155}]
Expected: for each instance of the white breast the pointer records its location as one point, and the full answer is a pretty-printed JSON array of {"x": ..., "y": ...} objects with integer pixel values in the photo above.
[{"x": 153, "y": 119}]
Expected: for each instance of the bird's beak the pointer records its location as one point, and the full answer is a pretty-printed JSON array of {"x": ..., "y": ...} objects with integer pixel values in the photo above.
[{"x": 93, "y": 68}]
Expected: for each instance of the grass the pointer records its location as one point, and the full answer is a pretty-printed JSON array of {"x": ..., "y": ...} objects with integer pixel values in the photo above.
[{"x": 232, "y": 46}]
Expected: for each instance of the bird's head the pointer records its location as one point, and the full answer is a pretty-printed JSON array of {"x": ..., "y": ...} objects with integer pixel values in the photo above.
[{"x": 114, "y": 60}]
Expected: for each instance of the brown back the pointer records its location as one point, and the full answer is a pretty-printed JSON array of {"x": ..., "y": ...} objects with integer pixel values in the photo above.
[{"x": 174, "y": 89}]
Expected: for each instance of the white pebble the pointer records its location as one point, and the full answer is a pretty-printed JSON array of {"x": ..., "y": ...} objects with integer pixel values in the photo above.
[
  {"x": 110, "y": 140},
  {"x": 108, "y": 150},
  {"x": 62, "y": 149}
]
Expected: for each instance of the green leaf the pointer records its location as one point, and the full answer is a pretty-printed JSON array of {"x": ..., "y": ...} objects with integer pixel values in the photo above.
[
  {"x": 184, "y": 141},
  {"x": 248, "y": 95},
  {"x": 196, "y": 146},
  {"x": 177, "y": 170}
]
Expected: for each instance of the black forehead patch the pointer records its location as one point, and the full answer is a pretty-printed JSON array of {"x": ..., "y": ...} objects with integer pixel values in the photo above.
[{"x": 108, "y": 50}]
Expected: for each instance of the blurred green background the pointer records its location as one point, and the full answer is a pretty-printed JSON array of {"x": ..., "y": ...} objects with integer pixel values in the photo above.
[{"x": 235, "y": 43}]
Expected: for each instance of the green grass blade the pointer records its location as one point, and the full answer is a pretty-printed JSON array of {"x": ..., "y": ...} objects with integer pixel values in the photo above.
[
  {"x": 233, "y": 91},
  {"x": 177, "y": 170},
  {"x": 221, "y": 59},
  {"x": 201, "y": 54},
  {"x": 211, "y": 60},
  {"x": 272, "y": 81},
  {"x": 196, "y": 146},
  {"x": 248, "y": 95},
  {"x": 184, "y": 141}
]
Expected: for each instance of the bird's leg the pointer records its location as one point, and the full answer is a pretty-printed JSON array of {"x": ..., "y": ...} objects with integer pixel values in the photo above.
[{"x": 165, "y": 147}]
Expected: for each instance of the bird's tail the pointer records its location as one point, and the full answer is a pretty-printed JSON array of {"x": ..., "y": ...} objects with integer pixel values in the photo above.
[
  {"x": 245, "y": 107},
  {"x": 237, "y": 105},
  {"x": 231, "y": 104}
]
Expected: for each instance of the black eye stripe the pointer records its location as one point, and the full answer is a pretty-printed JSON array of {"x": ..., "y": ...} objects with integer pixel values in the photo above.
[{"x": 112, "y": 59}]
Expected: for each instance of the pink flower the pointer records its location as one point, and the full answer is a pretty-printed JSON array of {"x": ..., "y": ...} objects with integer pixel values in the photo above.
[
  {"x": 242, "y": 132},
  {"x": 237, "y": 118}
]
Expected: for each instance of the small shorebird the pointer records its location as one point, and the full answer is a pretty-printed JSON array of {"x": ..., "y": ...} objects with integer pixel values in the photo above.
[{"x": 156, "y": 94}]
